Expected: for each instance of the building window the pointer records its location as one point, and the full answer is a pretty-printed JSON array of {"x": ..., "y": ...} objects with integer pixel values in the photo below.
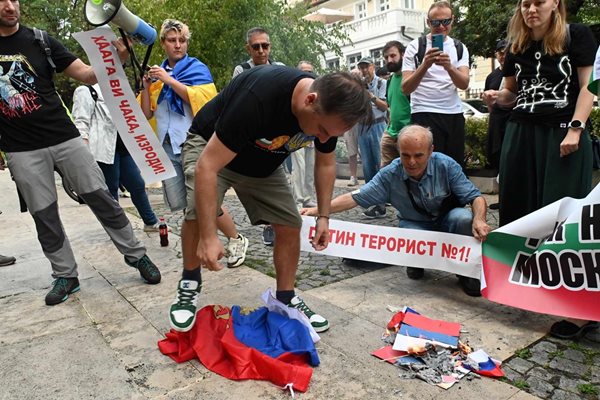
[
  {"x": 409, "y": 4},
  {"x": 377, "y": 56},
  {"x": 352, "y": 60},
  {"x": 333, "y": 64},
  {"x": 361, "y": 10},
  {"x": 383, "y": 5}
]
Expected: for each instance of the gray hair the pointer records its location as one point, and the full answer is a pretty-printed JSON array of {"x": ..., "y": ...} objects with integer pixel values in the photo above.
[
  {"x": 416, "y": 130},
  {"x": 257, "y": 30}
]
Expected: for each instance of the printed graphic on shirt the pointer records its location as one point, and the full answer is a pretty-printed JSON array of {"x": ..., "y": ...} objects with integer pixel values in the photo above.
[
  {"x": 538, "y": 90},
  {"x": 17, "y": 89},
  {"x": 284, "y": 143}
]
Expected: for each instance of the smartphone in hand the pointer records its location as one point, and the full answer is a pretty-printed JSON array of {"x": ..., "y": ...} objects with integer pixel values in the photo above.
[{"x": 437, "y": 41}]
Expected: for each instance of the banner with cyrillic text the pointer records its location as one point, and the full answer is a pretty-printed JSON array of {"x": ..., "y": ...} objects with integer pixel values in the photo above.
[
  {"x": 126, "y": 113},
  {"x": 548, "y": 261},
  {"x": 448, "y": 252}
]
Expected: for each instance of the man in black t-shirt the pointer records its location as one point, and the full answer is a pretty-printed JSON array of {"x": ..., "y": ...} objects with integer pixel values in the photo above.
[
  {"x": 38, "y": 136},
  {"x": 240, "y": 139}
]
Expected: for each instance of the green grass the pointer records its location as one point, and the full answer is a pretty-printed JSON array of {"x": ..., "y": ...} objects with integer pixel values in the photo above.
[
  {"x": 521, "y": 384},
  {"x": 589, "y": 354},
  {"x": 523, "y": 353},
  {"x": 554, "y": 354},
  {"x": 325, "y": 272},
  {"x": 587, "y": 388}
]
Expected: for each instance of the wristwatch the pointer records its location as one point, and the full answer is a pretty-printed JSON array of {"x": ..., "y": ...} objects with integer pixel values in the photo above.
[
  {"x": 576, "y": 124},
  {"x": 373, "y": 99}
]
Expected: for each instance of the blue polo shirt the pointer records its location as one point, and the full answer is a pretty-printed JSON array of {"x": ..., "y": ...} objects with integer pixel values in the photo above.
[{"x": 443, "y": 177}]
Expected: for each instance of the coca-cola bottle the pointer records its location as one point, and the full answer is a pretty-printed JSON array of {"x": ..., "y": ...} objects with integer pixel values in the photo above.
[{"x": 163, "y": 232}]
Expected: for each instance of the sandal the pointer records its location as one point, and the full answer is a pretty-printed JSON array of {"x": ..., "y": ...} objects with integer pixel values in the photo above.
[{"x": 568, "y": 330}]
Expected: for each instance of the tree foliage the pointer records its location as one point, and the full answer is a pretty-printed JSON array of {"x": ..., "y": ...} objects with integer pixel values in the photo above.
[
  {"x": 218, "y": 30},
  {"x": 480, "y": 23}
]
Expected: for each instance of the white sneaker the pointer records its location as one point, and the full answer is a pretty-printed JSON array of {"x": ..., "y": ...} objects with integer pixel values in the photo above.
[
  {"x": 353, "y": 181},
  {"x": 236, "y": 249},
  {"x": 319, "y": 323},
  {"x": 182, "y": 314}
]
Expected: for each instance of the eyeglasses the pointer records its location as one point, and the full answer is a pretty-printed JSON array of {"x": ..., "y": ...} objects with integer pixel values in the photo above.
[
  {"x": 437, "y": 22},
  {"x": 257, "y": 46}
]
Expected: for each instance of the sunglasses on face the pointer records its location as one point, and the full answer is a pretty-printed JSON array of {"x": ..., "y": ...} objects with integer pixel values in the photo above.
[
  {"x": 257, "y": 46},
  {"x": 437, "y": 22}
]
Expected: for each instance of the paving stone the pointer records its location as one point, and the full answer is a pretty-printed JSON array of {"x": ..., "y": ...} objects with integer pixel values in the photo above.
[
  {"x": 544, "y": 345},
  {"x": 574, "y": 355},
  {"x": 595, "y": 375},
  {"x": 570, "y": 385},
  {"x": 520, "y": 365},
  {"x": 562, "y": 395},
  {"x": 539, "y": 357},
  {"x": 541, "y": 373},
  {"x": 539, "y": 387},
  {"x": 511, "y": 374},
  {"x": 573, "y": 367}
]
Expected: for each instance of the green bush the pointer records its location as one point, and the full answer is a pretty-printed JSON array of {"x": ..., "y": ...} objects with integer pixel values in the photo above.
[
  {"x": 475, "y": 141},
  {"x": 595, "y": 119}
]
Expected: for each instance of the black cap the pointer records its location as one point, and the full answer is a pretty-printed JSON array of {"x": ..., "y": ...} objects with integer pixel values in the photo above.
[{"x": 501, "y": 45}]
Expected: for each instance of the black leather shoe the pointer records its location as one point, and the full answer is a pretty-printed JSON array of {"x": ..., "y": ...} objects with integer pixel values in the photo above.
[
  {"x": 415, "y": 273},
  {"x": 471, "y": 286}
]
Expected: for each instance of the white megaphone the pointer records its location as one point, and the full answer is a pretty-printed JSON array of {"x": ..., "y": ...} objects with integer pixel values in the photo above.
[{"x": 101, "y": 12}]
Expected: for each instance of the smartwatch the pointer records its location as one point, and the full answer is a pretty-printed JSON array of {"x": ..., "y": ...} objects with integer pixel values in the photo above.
[{"x": 576, "y": 124}]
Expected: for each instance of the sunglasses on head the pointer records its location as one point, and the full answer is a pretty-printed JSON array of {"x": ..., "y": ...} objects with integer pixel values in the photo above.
[
  {"x": 257, "y": 46},
  {"x": 437, "y": 22}
]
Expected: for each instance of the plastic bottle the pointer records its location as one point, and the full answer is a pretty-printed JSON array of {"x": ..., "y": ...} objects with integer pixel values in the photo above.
[{"x": 163, "y": 232}]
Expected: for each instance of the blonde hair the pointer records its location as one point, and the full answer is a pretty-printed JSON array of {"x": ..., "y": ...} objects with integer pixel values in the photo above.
[
  {"x": 554, "y": 42},
  {"x": 174, "y": 25}
]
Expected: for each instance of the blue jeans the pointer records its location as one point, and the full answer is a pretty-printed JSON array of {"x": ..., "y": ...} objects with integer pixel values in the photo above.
[
  {"x": 370, "y": 152},
  {"x": 174, "y": 188},
  {"x": 124, "y": 171},
  {"x": 459, "y": 220}
]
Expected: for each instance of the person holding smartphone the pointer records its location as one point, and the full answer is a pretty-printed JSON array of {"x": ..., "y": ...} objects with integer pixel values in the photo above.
[{"x": 433, "y": 69}]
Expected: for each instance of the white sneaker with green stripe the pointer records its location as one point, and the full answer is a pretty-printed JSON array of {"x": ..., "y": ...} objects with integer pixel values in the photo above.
[
  {"x": 182, "y": 314},
  {"x": 319, "y": 323}
]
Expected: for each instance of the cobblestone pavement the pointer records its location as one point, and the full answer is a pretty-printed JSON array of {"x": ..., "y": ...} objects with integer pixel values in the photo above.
[{"x": 549, "y": 368}]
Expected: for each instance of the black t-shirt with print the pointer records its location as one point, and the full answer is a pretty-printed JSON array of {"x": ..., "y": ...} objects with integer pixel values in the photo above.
[
  {"x": 253, "y": 117},
  {"x": 32, "y": 115},
  {"x": 548, "y": 86}
]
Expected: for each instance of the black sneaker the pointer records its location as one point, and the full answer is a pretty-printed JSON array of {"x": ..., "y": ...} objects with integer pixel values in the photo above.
[
  {"x": 415, "y": 273},
  {"x": 377, "y": 211},
  {"x": 61, "y": 289},
  {"x": 268, "y": 235},
  {"x": 148, "y": 270},
  {"x": 471, "y": 286}
]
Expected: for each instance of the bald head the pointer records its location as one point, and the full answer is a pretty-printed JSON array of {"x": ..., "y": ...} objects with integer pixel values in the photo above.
[{"x": 415, "y": 145}]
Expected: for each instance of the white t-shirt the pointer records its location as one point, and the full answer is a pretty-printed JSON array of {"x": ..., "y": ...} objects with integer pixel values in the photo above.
[{"x": 436, "y": 92}]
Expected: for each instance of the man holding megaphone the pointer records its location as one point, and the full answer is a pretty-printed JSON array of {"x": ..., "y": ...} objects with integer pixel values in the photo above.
[{"x": 38, "y": 136}]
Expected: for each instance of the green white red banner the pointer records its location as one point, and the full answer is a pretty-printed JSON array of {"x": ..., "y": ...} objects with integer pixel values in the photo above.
[{"x": 548, "y": 261}]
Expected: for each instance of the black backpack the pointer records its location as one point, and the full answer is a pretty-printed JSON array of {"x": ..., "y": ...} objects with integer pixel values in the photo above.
[
  {"x": 41, "y": 38},
  {"x": 423, "y": 45}
]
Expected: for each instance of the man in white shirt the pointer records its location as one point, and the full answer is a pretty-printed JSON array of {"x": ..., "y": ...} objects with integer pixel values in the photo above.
[{"x": 432, "y": 76}]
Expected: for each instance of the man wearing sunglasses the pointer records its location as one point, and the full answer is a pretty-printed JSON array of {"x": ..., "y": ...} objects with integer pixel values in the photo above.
[
  {"x": 432, "y": 76},
  {"x": 258, "y": 46}
]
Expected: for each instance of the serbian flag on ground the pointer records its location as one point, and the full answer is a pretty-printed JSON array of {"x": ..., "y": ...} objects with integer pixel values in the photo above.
[
  {"x": 240, "y": 343},
  {"x": 548, "y": 261}
]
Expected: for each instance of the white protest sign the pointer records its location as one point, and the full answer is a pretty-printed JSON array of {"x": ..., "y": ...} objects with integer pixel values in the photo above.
[
  {"x": 126, "y": 113},
  {"x": 448, "y": 252}
]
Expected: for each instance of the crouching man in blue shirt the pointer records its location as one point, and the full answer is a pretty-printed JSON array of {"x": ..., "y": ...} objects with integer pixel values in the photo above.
[{"x": 429, "y": 191}]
